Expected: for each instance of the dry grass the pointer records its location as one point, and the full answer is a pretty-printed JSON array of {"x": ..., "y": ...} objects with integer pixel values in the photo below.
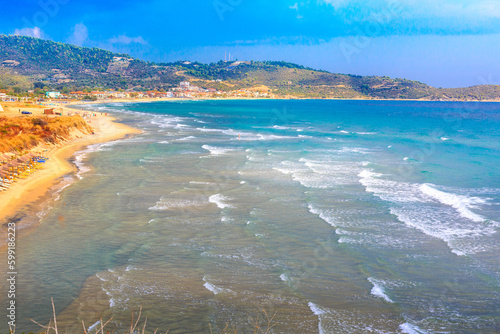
[
  {"x": 19, "y": 134},
  {"x": 257, "y": 327},
  {"x": 136, "y": 327}
]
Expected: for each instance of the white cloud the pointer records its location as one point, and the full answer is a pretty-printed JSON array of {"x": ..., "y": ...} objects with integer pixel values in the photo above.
[
  {"x": 123, "y": 39},
  {"x": 79, "y": 35},
  {"x": 339, "y": 3},
  {"x": 427, "y": 8},
  {"x": 33, "y": 32}
]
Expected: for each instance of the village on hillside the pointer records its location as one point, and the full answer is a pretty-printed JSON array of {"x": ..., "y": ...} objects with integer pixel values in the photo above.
[{"x": 185, "y": 90}]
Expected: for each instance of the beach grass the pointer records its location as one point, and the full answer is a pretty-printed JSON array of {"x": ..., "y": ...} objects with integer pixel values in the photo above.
[{"x": 262, "y": 325}]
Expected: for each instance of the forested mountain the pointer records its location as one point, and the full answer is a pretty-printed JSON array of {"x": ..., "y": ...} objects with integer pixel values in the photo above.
[{"x": 25, "y": 61}]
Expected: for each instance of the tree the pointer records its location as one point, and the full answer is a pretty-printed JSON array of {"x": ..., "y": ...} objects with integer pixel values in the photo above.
[{"x": 17, "y": 90}]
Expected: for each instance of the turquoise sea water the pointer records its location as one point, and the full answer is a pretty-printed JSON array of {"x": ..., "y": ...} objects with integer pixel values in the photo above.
[{"x": 338, "y": 216}]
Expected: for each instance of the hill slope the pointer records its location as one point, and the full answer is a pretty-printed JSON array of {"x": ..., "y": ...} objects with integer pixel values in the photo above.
[{"x": 57, "y": 65}]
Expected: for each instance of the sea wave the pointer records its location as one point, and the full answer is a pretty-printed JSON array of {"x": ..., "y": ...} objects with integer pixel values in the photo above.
[
  {"x": 444, "y": 215},
  {"x": 319, "y": 312},
  {"x": 215, "y": 289},
  {"x": 378, "y": 289},
  {"x": 408, "y": 328},
  {"x": 217, "y": 151},
  {"x": 219, "y": 200},
  {"x": 462, "y": 204},
  {"x": 168, "y": 203}
]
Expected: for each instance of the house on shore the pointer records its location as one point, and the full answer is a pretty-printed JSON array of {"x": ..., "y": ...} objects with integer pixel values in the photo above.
[{"x": 52, "y": 95}]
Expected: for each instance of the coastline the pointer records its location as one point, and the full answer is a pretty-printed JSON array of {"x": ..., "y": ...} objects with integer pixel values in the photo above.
[
  {"x": 170, "y": 99},
  {"x": 27, "y": 192}
]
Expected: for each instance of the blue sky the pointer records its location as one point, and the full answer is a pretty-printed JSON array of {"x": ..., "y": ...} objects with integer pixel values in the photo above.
[{"x": 444, "y": 43}]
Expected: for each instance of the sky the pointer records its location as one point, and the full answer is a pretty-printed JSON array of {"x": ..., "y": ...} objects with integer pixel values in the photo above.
[{"x": 444, "y": 43}]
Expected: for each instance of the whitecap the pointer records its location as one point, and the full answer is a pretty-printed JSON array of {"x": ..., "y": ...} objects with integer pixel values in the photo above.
[
  {"x": 188, "y": 138},
  {"x": 219, "y": 200},
  {"x": 378, "y": 289},
  {"x": 215, "y": 289},
  {"x": 461, "y": 203},
  {"x": 408, "y": 328},
  {"x": 168, "y": 203},
  {"x": 322, "y": 214},
  {"x": 317, "y": 311},
  {"x": 216, "y": 151}
]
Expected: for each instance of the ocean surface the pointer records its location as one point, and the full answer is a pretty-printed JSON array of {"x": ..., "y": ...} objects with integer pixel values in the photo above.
[{"x": 331, "y": 216}]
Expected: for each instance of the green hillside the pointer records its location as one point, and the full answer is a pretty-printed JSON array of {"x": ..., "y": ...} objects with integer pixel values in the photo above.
[{"x": 25, "y": 61}]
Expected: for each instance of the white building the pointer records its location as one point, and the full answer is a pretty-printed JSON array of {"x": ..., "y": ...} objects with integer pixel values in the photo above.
[{"x": 53, "y": 95}]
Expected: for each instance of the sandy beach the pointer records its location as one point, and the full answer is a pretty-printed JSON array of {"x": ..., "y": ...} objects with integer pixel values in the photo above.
[{"x": 27, "y": 191}]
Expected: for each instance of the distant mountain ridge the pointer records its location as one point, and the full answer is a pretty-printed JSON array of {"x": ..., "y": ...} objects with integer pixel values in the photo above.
[{"x": 26, "y": 60}]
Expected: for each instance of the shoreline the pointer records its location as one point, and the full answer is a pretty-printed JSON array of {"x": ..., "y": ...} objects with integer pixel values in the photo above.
[
  {"x": 33, "y": 190},
  {"x": 171, "y": 99}
]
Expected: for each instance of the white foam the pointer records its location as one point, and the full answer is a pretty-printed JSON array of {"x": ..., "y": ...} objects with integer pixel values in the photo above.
[
  {"x": 316, "y": 175},
  {"x": 344, "y": 132},
  {"x": 188, "y": 138},
  {"x": 408, "y": 328},
  {"x": 216, "y": 151},
  {"x": 357, "y": 150},
  {"x": 461, "y": 203},
  {"x": 219, "y": 200},
  {"x": 82, "y": 168},
  {"x": 429, "y": 224},
  {"x": 444, "y": 138},
  {"x": 399, "y": 192},
  {"x": 246, "y": 136},
  {"x": 101, "y": 278},
  {"x": 279, "y": 127},
  {"x": 210, "y": 130},
  {"x": 322, "y": 215},
  {"x": 199, "y": 182},
  {"x": 274, "y": 137},
  {"x": 94, "y": 326},
  {"x": 181, "y": 126},
  {"x": 169, "y": 122},
  {"x": 443, "y": 215},
  {"x": 225, "y": 219},
  {"x": 215, "y": 289},
  {"x": 378, "y": 290},
  {"x": 167, "y": 203},
  {"x": 317, "y": 311}
]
